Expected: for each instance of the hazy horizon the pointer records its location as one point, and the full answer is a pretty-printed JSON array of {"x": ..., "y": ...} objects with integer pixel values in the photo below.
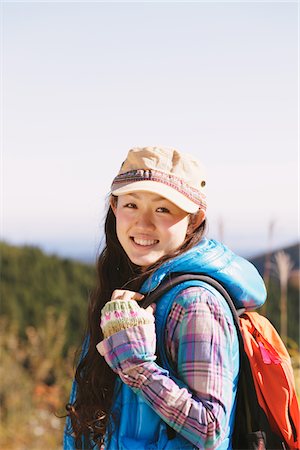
[{"x": 88, "y": 253}]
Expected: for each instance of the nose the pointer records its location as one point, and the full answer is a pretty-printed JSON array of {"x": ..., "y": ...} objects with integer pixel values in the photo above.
[{"x": 145, "y": 220}]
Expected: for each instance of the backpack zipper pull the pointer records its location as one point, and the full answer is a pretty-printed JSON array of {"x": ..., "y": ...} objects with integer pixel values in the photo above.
[{"x": 269, "y": 356}]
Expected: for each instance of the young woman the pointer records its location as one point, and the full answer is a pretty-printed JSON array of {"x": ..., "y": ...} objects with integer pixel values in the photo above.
[{"x": 124, "y": 396}]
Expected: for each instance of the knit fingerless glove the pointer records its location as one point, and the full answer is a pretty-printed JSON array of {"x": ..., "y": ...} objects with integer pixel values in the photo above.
[{"x": 118, "y": 315}]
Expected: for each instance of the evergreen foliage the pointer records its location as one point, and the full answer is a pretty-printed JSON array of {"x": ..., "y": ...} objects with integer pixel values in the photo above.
[{"x": 32, "y": 281}]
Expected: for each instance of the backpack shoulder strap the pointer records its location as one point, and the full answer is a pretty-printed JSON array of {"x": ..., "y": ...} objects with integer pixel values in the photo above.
[{"x": 177, "y": 278}]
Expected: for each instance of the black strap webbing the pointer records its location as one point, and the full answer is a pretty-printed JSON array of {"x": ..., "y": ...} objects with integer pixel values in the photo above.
[{"x": 177, "y": 278}]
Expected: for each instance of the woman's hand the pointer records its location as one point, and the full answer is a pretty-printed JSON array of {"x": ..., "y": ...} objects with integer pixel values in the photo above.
[
  {"x": 123, "y": 311},
  {"x": 128, "y": 330},
  {"x": 124, "y": 294}
]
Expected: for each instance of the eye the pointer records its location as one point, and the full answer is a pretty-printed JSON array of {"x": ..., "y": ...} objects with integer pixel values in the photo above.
[
  {"x": 163, "y": 209},
  {"x": 130, "y": 205}
]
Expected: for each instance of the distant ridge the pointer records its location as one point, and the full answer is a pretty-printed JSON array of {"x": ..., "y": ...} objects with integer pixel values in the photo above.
[{"x": 292, "y": 250}]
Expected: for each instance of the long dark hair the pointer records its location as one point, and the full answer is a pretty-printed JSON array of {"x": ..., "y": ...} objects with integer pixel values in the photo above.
[{"x": 95, "y": 380}]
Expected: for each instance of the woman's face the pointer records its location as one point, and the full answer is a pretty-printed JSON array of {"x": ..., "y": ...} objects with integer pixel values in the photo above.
[{"x": 149, "y": 226}]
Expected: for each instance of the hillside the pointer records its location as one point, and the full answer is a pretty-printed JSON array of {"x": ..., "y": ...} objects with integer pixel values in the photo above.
[{"x": 32, "y": 282}]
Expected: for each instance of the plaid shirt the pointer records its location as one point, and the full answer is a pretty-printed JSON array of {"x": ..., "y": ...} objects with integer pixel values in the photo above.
[{"x": 200, "y": 338}]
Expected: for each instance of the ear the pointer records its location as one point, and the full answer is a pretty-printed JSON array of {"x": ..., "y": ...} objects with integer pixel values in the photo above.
[
  {"x": 196, "y": 220},
  {"x": 113, "y": 203}
]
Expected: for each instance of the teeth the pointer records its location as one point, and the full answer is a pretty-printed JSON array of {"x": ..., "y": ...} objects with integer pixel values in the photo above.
[{"x": 145, "y": 241}]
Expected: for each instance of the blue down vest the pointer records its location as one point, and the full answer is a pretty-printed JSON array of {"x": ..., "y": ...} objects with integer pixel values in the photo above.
[{"x": 138, "y": 426}]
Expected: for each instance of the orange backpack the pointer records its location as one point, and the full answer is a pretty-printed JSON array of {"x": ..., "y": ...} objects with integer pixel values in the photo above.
[
  {"x": 267, "y": 412},
  {"x": 272, "y": 375}
]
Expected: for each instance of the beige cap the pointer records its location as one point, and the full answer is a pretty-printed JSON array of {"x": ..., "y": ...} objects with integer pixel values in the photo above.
[{"x": 165, "y": 171}]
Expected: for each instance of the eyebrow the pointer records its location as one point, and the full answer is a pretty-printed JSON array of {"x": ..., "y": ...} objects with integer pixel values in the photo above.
[{"x": 155, "y": 199}]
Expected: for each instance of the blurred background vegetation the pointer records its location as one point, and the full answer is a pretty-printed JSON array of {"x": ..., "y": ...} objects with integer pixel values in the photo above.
[{"x": 42, "y": 322}]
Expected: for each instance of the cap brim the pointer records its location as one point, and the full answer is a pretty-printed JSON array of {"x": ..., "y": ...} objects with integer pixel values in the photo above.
[{"x": 163, "y": 190}]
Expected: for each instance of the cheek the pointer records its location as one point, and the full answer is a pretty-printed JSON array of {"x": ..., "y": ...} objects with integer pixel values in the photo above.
[
  {"x": 178, "y": 231},
  {"x": 121, "y": 217},
  {"x": 120, "y": 223}
]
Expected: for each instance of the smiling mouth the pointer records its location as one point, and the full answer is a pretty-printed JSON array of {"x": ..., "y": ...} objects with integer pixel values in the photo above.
[{"x": 144, "y": 242}]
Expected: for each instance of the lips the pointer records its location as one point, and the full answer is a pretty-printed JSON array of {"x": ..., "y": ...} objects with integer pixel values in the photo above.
[{"x": 144, "y": 242}]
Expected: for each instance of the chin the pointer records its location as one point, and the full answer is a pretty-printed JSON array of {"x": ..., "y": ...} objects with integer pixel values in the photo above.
[{"x": 145, "y": 262}]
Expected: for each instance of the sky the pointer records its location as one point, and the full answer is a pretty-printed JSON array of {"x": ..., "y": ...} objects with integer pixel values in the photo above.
[{"x": 83, "y": 82}]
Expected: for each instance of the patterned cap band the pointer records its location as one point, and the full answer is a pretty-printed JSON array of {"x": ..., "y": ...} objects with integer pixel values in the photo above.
[{"x": 170, "y": 180}]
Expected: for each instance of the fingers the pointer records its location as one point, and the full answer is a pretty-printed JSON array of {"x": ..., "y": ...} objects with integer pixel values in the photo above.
[
  {"x": 124, "y": 294},
  {"x": 151, "y": 309}
]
